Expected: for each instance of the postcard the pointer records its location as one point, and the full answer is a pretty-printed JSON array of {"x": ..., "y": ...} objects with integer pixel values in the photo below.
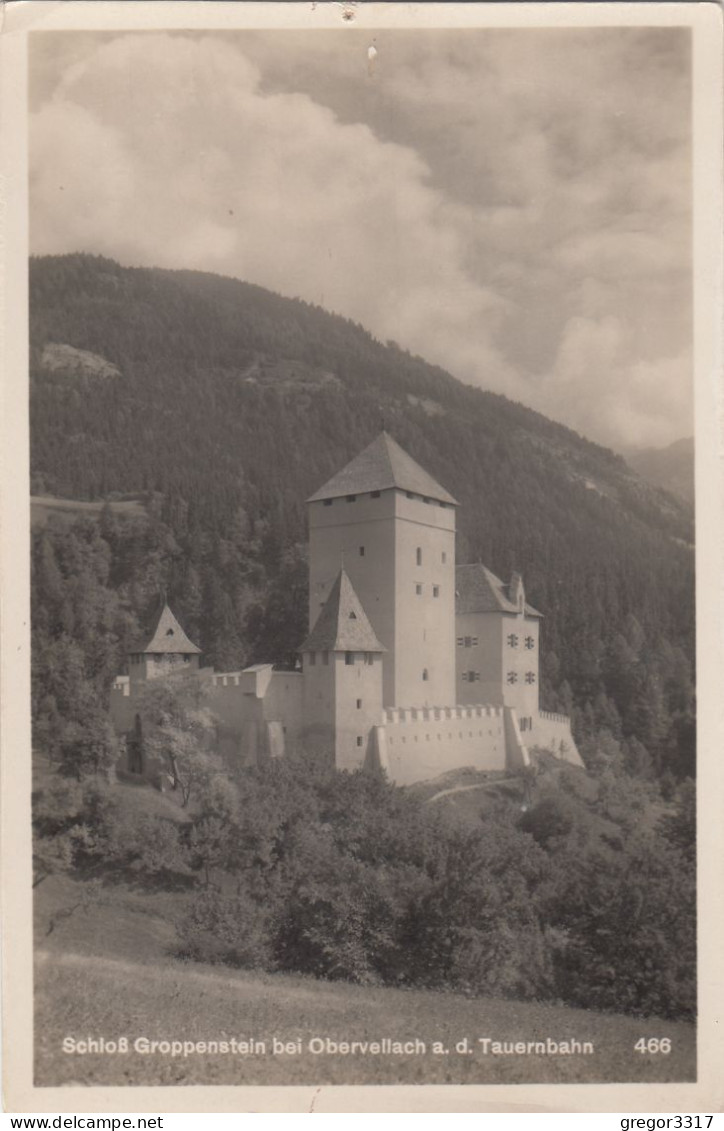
[{"x": 362, "y": 557}]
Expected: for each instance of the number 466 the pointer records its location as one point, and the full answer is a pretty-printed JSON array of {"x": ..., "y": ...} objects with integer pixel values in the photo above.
[{"x": 654, "y": 1045}]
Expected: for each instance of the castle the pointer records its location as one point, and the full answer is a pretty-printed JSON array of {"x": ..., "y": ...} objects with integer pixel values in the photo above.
[{"x": 412, "y": 664}]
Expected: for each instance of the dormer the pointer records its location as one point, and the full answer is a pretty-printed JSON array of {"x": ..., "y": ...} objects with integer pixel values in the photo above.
[{"x": 516, "y": 593}]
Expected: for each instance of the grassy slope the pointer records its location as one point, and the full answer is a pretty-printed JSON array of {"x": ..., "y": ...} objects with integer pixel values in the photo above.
[
  {"x": 43, "y": 506},
  {"x": 109, "y": 971}
]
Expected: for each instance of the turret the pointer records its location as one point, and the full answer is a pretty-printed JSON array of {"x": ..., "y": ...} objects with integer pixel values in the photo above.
[{"x": 342, "y": 668}]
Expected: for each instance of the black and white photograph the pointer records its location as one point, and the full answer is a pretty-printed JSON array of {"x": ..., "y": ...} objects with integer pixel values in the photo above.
[{"x": 362, "y": 413}]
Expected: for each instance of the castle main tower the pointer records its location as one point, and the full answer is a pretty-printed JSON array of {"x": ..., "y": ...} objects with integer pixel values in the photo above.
[{"x": 392, "y": 528}]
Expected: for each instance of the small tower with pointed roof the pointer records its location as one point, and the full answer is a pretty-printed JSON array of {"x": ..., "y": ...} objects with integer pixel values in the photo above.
[
  {"x": 167, "y": 649},
  {"x": 342, "y": 664},
  {"x": 393, "y": 527}
]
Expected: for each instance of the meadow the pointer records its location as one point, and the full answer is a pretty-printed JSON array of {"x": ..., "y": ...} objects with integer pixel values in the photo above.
[{"x": 108, "y": 970}]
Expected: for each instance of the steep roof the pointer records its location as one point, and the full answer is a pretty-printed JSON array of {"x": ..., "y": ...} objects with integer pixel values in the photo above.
[
  {"x": 342, "y": 624},
  {"x": 478, "y": 590},
  {"x": 383, "y": 464},
  {"x": 168, "y": 636}
]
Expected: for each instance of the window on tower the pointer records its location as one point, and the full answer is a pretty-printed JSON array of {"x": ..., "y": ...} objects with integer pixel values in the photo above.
[
  {"x": 369, "y": 658},
  {"x": 513, "y": 640},
  {"x": 512, "y": 677},
  {"x": 530, "y": 677},
  {"x": 529, "y": 642},
  {"x": 375, "y": 494},
  {"x": 425, "y": 675},
  {"x": 312, "y": 659},
  {"x": 352, "y": 615},
  {"x": 349, "y": 658},
  {"x": 351, "y": 498},
  {"x": 325, "y": 658},
  {"x": 359, "y": 704},
  {"x": 418, "y": 555},
  {"x": 418, "y": 589},
  {"x": 361, "y": 551},
  {"x": 444, "y": 557},
  {"x": 359, "y": 739},
  {"x": 436, "y": 590},
  {"x": 327, "y": 502}
]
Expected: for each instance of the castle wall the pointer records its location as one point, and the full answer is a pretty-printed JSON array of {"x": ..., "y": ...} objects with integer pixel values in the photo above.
[
  {"x": 479, "y": 650},
  {"x": 520, "y": 660},
  {"x": 419, "y": 744},
  {"x": 122, "y": 710},
  {"x": 553, "y": 732},
  {"x": 247, "y": 703}
]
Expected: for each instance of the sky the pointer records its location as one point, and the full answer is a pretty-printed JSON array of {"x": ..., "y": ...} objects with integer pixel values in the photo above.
[{"x": 511, "y": 204}]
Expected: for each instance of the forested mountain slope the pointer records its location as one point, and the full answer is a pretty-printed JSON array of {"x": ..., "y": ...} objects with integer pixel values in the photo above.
[{"x": 223, "y": 406}]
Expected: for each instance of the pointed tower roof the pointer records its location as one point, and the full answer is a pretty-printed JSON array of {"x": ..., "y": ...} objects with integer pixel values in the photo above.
[
  {"x": 382, "y": 465},
  {"x": 342, "y": 625},
  {"x": 478, "y": 590},
  {"x": 168, "y": 636}
]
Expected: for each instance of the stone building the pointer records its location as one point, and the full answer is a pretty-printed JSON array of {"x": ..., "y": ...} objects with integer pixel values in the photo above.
[{"x": 412, "y": 664}]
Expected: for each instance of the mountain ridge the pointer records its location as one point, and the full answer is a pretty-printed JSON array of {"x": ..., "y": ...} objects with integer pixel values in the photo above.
[{"x": 233, "y": 405}]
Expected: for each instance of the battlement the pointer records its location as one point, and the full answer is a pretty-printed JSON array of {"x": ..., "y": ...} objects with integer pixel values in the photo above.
[
  {"x": 397, "y": 715},
  {"x": 226, "y": 679},
  {"x": 554, "y": 718}
]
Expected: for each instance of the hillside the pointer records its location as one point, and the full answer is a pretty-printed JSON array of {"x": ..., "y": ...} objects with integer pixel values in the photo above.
[
  {"x": 222, "y": 406},
  {"x": 671, "y": 468}
]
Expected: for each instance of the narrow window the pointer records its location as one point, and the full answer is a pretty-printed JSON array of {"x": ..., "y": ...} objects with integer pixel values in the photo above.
[
  {"x": 530, "y": 677},
  {"x": 418, "y": 589},
  {"x": 418, "y": 555},
  {"x": 312, "y": 659},
  {"x": 325, "y": 658},
  {"x": 444, "y": 557},
  {"x": 436, "y": 590},
  {"x": 409, "y": 494},
  {"x": 424, "y": 675},
  {"x": 359, "y": 704},
  {"x": 353, "y": 615},
  {"x": 529, "y": 642},
  {"x": 327, "y": 502},
  {"x": 361, "y": 551},
  {"x": 471, "y": 677},
  {"x": 375, "y": 494},
  {"x": 359, "y": 739},
  {"x": 512, "y": 677},
  {"x": 468, "y": 641},
  {"x": 513, "y": 640},
  {"x": 369, "y": 658},
  {"x": 349, "y": 658},
  {"x": 187, "y": 659},
  {"x": 351, "y": 498}
]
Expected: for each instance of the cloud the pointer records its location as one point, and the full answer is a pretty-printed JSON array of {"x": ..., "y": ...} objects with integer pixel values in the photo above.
[
  {"x": 512, "y": 205},
  {"x": 161, "y": 150}
]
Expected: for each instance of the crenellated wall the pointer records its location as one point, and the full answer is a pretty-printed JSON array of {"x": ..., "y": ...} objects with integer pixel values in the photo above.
[
  {"x": 415, "y": 744},
  {"x": 553, "y": 732}
]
